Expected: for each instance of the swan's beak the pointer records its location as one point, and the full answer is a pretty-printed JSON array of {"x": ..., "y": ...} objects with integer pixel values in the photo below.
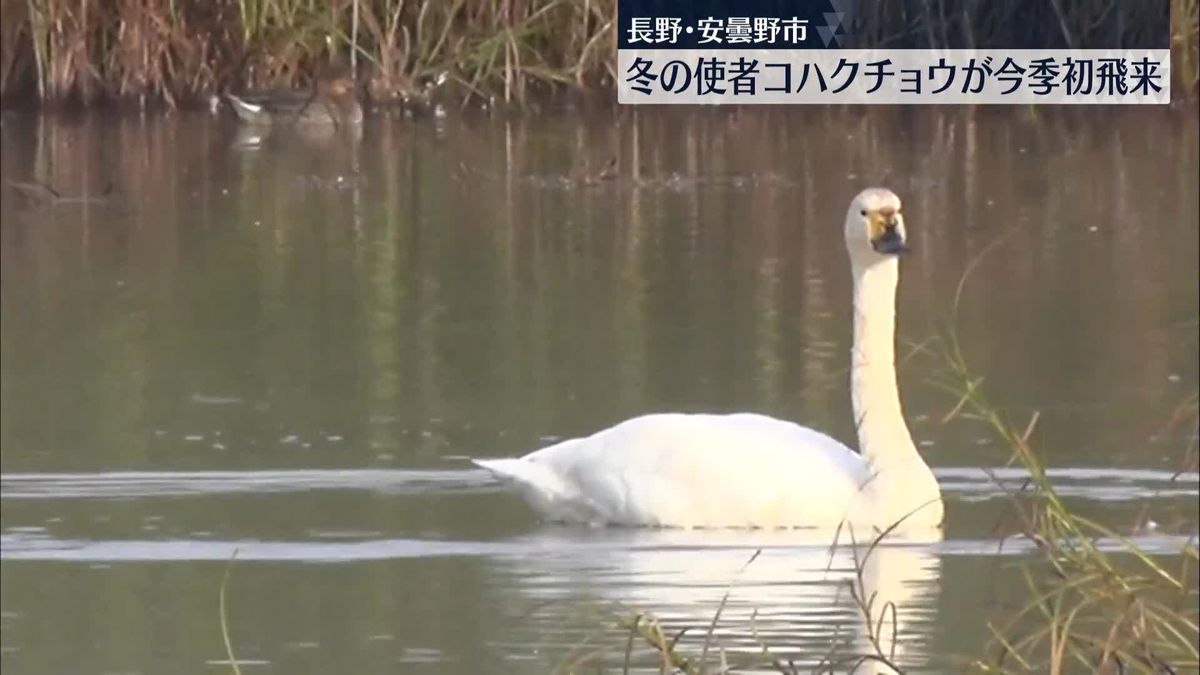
[{"x": 887, "y": 237}]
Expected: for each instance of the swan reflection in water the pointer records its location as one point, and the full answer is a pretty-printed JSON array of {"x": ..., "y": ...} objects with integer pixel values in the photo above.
[{"x": 790, "y": 590}]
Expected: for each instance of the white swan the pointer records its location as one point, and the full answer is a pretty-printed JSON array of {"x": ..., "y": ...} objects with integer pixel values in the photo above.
[{"x": 748, "y": 470}]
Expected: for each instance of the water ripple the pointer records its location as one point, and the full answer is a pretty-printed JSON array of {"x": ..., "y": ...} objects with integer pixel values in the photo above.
[
  {"x": 966, "y": 483},
  {"x": 573, "y": 548},
  {"x": 127, "y": 484}
]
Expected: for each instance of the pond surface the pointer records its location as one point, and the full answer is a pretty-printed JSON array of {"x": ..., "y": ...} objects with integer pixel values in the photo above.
[{"x": 287, "y": 347}]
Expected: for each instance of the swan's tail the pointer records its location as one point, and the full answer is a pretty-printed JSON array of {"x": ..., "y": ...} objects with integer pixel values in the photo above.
[
  {"x": 546, "y": 490},
  {"x": 523, "y": 472}
]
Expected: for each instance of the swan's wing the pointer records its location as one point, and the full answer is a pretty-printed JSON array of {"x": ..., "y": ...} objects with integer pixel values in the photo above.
[{"x": 738, "y": 470}]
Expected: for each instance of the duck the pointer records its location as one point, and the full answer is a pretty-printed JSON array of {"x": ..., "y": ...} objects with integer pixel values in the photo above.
[
  {"x": 332, "y": 103},
  {"x": 748, "y": 470}
]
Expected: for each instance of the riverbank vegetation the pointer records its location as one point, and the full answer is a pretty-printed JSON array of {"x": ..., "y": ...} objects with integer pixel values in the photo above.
[{"x": 180, "y": 53}]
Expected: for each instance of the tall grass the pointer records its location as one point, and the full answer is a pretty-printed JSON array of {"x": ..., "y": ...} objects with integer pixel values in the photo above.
[
  {"x": 1109, "y": 612},
  {"x": 184, "y": 50},
  {"x": 176, "y": 51},
  {"x": 1112, "y": 612}
]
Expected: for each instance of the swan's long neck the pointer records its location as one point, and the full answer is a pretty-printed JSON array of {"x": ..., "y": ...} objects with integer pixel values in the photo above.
[{"x": 883, "y": 436}]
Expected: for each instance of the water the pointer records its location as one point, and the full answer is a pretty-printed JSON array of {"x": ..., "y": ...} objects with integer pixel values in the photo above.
[{"x": 286, "y": 349}]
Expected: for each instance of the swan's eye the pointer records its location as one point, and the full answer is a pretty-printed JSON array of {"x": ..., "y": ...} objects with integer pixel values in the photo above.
[{"x": 864, "y": 212}]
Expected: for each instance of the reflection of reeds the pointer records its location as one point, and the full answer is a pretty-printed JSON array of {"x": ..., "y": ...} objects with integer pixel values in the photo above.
[
  {"x": 59, "y": 49},
  {"x": 177, "y": 170}
]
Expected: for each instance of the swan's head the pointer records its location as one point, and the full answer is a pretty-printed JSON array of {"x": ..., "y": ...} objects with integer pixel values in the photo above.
[{"x": 874, "y": 226}]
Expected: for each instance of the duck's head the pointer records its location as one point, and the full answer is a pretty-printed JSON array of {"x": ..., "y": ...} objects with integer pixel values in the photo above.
[
  {"x": 336, "y": 88},
  {"x": 875, "y": 226},
  {"x": 336, "y": 82}
]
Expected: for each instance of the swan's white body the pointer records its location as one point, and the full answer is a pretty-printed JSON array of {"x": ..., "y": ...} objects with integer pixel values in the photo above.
[
  {"x": 740, "y": 470},
  {"x": 747, "y": 470}
]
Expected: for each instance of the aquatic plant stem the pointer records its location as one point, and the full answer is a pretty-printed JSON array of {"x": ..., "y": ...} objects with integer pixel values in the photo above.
[{"x": 233, "y": 662}]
